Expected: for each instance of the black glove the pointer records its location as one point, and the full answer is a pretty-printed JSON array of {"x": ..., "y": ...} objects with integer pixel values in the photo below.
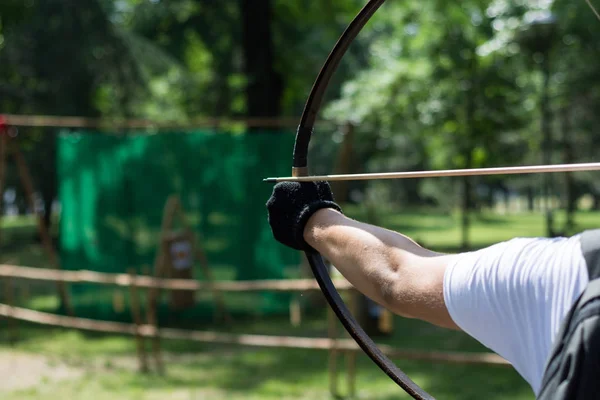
[{"x": 291, "y": 205}]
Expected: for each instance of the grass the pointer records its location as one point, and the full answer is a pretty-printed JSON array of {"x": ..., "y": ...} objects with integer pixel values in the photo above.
[
  {"x": 104, "y": 366},
  {"x": 441, "y": 230}
]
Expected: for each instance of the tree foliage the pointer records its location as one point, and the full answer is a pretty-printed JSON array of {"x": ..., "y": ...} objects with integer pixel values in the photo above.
[{"x": 427, "y": 84}]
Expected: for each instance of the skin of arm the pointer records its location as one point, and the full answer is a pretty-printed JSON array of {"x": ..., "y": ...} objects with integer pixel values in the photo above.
[{"x": 384, "y": 265}]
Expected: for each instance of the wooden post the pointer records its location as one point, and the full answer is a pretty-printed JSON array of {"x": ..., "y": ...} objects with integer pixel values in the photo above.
[
  {"x": 295, "y": 310},
  {"x": 200, "y": 256},
  {"x": 162, "y": 252},
  {"x": 134, "y": 302},
  {"x": 9, "y": 299},
  {"x": 24, "y": 293},
  {"x": 223, "y": 314},
  {"x": 27, "y": 183},
  {"x": 153, "y": 293},
  {"x": 156, "y": 348},
  {"x": 351, "y": 355},
  {"x": 2, "y": 175},
  {"x": 386, "y": 321},
  {"x": 333, "y": 352},
  {"x": 152, "y": 314},
  {"x": 172, "y": 209}
]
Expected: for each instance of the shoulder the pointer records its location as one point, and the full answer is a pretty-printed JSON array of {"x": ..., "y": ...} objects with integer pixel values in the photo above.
[
  {"x": 523, "y": 259},
  {"x": 527, "y": 270},
  {"x": 512, "y": 296}
]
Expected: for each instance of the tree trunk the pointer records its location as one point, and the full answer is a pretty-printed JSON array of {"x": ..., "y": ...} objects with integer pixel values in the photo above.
[
  {"x": 547, "y": 145},
  {"x": 568, "y": 158},
  {"x": 466, "y": 207},
  {"x": 467, "y": 200},
  {"x": 265, "y": 88},
  {"x": 217, "y": 14},
  {"x": 263, "y": 100},
  {"x": 596, "y": 201},
  {"x": 530, "y": 199},
  {"x": 506, "y": 198},
  {"x": 344, "y": 164},
  {"x": 48, "y": 211},
  {"x": 45, "y": 170}
]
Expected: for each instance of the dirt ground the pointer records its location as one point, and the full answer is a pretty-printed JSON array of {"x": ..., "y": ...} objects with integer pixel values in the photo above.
[{"x": 24, "y": 370}]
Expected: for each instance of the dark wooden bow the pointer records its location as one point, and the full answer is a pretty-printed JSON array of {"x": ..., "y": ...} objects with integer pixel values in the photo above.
[{"x": 300, "y": 162}]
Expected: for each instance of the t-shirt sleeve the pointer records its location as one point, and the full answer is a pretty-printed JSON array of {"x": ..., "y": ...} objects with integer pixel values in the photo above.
[{"x": 512, "y": 297}]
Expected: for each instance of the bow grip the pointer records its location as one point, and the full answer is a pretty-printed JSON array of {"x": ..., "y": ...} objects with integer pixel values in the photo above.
[{"x": 300, "y": 156}]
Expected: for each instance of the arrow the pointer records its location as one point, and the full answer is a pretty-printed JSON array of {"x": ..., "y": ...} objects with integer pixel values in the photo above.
[{"x": 531, "y": 169}]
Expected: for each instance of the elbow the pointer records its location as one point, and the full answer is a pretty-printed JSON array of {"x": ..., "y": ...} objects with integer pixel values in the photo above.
[
  {"x": 413, "y": 288},
  {"x": 417, "y": 297},
  {"x": 396, "y": 295},
  {"x": 395, "y": 284}
]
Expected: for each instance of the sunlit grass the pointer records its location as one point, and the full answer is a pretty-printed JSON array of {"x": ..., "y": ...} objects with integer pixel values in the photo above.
[
  {"x": 201, "y": 371},
  {"x": 440, "y": 230}
]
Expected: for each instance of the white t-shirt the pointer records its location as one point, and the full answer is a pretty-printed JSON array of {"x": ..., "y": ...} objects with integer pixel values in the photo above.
[{"x": 513, "y": 296}]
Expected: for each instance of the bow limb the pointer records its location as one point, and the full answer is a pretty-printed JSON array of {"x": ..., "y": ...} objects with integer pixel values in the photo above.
[
  {"x": 315, "y": 98},
  {"x": 299, "y": 168}
]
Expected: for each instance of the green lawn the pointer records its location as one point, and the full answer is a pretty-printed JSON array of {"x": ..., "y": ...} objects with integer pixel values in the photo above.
[
  {"x": 104, "y": 367},
  {"x": 440, "y": 230},
  {"x": 66, "y": 364}
]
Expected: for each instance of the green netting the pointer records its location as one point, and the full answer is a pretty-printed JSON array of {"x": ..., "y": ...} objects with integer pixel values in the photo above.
[{"x": 113, "y": 190}]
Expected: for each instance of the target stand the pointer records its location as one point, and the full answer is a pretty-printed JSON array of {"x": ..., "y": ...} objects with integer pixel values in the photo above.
[{"x": 178, "y": 252}]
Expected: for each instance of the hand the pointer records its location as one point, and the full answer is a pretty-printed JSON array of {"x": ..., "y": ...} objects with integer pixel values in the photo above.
[{"x": 291, "y": 205}]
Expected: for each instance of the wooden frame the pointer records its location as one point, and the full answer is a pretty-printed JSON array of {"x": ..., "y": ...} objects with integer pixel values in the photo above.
[
  {"x": 28, "y": 187},
  {"x": 163, "y": 262},
  {"x": 163, "y": 267}
]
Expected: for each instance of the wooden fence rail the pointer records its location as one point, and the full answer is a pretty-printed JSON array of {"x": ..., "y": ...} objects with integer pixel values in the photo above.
[
  {"x": 120, "y": 123},
  {"x": 82, "y": 276},
  {"x": 290, "y": 342},
  {"x": 150, "y": 329}
]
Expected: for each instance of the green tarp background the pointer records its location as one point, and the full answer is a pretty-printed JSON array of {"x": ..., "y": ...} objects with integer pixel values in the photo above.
[{"x": 113, "y": 190}]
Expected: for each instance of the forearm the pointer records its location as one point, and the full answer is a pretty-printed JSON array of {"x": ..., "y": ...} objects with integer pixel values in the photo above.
[{"x": 373, "y": 259}]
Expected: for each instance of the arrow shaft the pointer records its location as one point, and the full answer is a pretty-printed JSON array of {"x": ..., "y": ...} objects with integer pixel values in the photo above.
[{"x": 532, "y": 169}]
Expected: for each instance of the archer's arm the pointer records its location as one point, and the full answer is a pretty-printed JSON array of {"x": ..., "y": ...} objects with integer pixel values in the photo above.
[{"x": 384, "y": 265}]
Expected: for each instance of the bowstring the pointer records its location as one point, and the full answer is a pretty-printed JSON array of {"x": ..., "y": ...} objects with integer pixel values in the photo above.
[{"x": 589, "y": 3}]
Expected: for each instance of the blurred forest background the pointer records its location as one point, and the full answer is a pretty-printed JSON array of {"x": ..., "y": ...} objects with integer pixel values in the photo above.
[{"x": 427, "y": 84}]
